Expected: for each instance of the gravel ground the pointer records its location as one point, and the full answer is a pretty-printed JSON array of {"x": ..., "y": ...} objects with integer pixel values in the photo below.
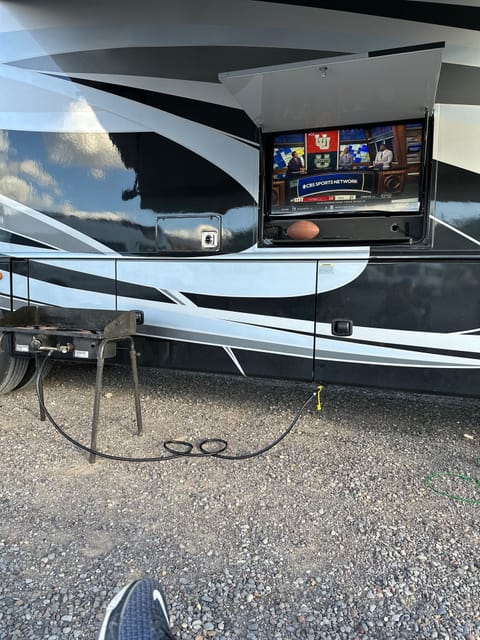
[{"x": 332, "y": 534}]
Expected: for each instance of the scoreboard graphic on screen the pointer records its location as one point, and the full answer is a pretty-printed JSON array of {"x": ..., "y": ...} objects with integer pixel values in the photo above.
[{"x": 312, "y": 188}]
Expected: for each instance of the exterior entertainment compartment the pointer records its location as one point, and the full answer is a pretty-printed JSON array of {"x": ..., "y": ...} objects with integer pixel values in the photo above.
[
  {"x": 136, "y": 172},
  {"x": 353, "y": 184}
]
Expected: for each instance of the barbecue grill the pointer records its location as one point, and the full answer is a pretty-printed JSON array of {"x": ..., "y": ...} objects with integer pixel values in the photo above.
[{"x": 86, "y": 334}]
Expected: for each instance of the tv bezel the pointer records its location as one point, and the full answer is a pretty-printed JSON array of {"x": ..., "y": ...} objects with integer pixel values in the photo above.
[{"x": 266, "y": 192}]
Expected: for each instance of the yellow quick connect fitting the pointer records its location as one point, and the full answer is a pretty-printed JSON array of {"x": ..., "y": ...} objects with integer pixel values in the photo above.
[{"x": 319, "y": 403}]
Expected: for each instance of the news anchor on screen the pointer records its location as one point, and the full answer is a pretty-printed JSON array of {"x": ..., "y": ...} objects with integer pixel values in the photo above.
[
  {"x": 345, "y": 161},
  {"x": 383, "y": 159},
  {"x": 294, "y": 167}
]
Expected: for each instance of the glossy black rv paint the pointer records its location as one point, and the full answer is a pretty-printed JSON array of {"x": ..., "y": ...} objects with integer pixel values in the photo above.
[
  {"x": 417, "y": 295},
  {"x": 464, "y": 383},
  {"x": 152, "y": 178},
  {"x": 458, "y": 204},
  {"x": 459, "y": 15}
]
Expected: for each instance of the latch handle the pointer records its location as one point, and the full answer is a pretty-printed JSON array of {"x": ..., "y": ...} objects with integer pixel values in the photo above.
[{"x": 342, "y": 327}]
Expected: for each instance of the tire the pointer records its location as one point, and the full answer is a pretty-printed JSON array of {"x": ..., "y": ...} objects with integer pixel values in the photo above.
[
  {"x": 12, "y": 371},
  {"x": 31, "y": 373}
]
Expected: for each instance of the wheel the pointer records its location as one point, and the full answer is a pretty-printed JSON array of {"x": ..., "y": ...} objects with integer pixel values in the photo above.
[
  {"x": 31, "y": 373},
  {"x": 12, "y": 371}
]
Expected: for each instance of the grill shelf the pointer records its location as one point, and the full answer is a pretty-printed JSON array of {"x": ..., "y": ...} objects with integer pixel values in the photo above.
[{"x": 73, "y": 334}]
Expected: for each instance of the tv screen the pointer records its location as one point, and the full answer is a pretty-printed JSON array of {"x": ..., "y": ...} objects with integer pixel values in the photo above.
[{"x": 355, "y": 170}]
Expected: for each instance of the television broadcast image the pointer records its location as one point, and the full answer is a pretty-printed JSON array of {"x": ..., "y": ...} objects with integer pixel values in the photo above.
[{"x": 371, "y": 168}]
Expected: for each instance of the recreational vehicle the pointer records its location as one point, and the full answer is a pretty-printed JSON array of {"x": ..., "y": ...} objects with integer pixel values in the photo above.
[{"x": 283, "y": 189}]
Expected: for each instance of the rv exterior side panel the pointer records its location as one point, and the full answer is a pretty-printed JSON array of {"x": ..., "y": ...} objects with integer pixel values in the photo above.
[{"x": 131, "y": 178}]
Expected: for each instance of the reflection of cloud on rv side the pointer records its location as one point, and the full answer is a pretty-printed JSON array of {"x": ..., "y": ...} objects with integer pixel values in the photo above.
[
  {"x": 4, "y": 142},
  {"x": 194, "y": 231},
  {"x": 456, "y": 212},
  {"x": 98, "y": 174},
  {"x": 25, "y": 181},
  {"x": 74, "y": 160},
  {"x": 22, "y": 191},
  {"x": 110, "y": 216},
  {"x": 79, "y": 115},
  {"x": 83, "y": 149},
  {"x": 32, "y": 169}
]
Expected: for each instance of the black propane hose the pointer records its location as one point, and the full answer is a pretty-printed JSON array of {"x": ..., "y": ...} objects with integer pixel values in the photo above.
[{"x": 208, "y": 448}]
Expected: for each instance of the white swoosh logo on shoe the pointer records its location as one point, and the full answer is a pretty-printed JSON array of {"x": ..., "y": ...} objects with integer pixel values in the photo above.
[{"x": 158, "y": 596}]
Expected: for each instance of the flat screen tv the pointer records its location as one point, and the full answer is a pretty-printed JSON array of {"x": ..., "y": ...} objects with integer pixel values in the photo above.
[{"x": 372, "y": 169}]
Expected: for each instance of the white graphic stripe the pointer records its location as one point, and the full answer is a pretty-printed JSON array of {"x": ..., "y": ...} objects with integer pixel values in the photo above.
[
  {"x": 202, "y": 91},
  {"x": 235, "y": 360},
  {"x": 211, "y": 92},
  {"x": 60, "y": 121},
  {"x": 423, "y": 339},
  {"x": 346, "y": 351},
  {"x": 17, "y": 218},
  {"x": 230, "y": 278},
  {"x": 460, "y": 233},
  {"x": 466, "y": 332},
  {"x": 228, "y": 330},
  {"x": 177, "y": 297}
]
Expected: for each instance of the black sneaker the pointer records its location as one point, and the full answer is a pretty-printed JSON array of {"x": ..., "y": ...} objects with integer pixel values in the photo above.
[{"x": 138, "y": 612}]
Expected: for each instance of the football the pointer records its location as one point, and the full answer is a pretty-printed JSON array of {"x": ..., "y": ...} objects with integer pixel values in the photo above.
[{"x": 302, "y": 230}]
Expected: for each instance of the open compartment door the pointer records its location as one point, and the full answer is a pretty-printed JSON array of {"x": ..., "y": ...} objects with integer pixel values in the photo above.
[
  {"x": 370, "y": 87},
  {"x": 346, "y": 146}
]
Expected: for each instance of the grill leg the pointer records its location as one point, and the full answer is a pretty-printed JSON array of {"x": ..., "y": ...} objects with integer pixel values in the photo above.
[
  {"x": 99, "y": 387},
  {"x": 96, "y": 404},
  {"x": 133, "y": 364},
  {"x": 38, "y": 363}
]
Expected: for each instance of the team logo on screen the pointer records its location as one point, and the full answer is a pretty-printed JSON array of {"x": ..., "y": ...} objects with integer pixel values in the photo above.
[
  {"x": 322, "y": 140},
  {"x": 321, "y": 160}
]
